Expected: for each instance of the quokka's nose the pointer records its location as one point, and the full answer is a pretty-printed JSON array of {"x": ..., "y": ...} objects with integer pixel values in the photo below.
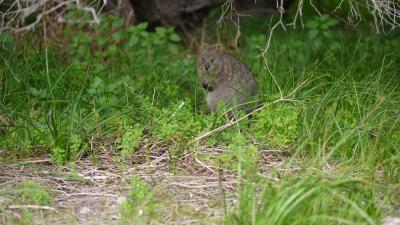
[
  {"x": 206, "y": 67},
  {"x": 205, "y": 85}
]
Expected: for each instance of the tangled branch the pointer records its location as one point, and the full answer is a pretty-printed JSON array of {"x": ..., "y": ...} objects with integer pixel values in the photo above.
[
  {"x": 15, "y": 15},
  {"x": 385, "y": 12}
]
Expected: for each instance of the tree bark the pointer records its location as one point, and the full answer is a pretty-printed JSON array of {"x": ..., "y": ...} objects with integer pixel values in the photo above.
[{"x": 177, "y": 13}]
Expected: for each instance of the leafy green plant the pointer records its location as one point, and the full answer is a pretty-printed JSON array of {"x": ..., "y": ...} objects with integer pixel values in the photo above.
[
  {"x": 113, "y": 40},
  {"x": 76, "y": 147},
  {"x": 278, "y": 123},
  {"x": 33, "y": 193},
  {"x": 179, "y": 122},
  {"x": 140, "y": 205},
  {"x": 240, "y": 156},
  {"x": 130, "y": 140},
  {"x": 30, "y": 193},
  {"x": 59, "y": 155},
  {"x": 320, "y": 32}
]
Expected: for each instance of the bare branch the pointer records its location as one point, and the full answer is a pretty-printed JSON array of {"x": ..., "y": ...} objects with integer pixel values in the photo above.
[
  {"x": 234, "y": 16},
  {"x": 15, "y": 16},
  {"x": 31, "y": 207}
]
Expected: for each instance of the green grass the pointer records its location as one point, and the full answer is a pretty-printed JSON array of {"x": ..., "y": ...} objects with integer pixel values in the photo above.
[
  {"x": 25, "y": 193},
  {"x": 105, "y": 81},
  {"x": 311, "y": 201}
]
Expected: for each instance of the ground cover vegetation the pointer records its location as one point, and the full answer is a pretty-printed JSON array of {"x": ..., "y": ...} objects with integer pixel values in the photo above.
[{"x": 322, "y": 149}]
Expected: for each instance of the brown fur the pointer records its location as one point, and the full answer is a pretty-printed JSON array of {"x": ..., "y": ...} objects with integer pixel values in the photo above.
[{"x": 224, "y": 78}]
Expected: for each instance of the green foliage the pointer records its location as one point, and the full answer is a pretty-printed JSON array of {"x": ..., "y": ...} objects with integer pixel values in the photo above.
[
  {"x": 337, "y": 114},
  {"x": 179, "y": 121},
  {"x": 59, "y": 155},
  {"x": 109, "y": 81},
  {"x": 139, "y": 207},
  {"x": 308, "y": 201},
  {"x": 319, "y": 31},
  {"x": 112, "y": 40},
  {"x": 29, "y": 193},
  {"x": 6, "y": 41},
  {"x": 32, "y": 193},
  {"x": 240, "y": 156},
  {"x": 70, "y": 101},
  {"x": 130, "y": 140},
  {"x": 278, "y": 124},
  {"x": 76, "y": 146},
  {"x": 144, "y": 82}
]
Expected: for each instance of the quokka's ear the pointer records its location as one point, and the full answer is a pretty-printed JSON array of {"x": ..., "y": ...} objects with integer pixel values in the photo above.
[{"x": 219, "y": 47}]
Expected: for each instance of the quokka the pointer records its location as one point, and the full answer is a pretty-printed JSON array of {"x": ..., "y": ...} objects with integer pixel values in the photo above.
[{"x": 225, "y": 79}]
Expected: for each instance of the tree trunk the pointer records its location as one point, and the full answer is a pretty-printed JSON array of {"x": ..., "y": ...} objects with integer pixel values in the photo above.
[
  {"x": 180, "y": 13},
  {"x": 177, "y": 13}
]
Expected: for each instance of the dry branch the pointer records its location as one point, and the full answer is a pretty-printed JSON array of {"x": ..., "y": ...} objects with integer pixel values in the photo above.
[
  {"x": 14, "y": 17},
  {"x": 31, "y": 207}
]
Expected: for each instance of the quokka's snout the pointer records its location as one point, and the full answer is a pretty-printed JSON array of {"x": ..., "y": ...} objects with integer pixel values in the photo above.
[{"x": 206, "y": 86}]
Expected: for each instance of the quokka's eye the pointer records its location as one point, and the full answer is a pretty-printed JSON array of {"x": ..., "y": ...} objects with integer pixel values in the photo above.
[
  {"x": 212, "y": 60},
  {"x": 202, "y": 59}
]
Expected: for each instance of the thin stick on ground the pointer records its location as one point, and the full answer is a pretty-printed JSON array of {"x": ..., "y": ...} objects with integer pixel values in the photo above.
[
  {"x": 31, "y": 207},
  {"x": 205, "y": 166}
]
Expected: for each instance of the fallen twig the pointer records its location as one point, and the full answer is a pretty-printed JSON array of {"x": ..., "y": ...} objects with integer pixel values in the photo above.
[
  {"x": 88, "y": 194},
  {"x": 206, "y": 166},
  {"x": 31, "y": 207}
]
